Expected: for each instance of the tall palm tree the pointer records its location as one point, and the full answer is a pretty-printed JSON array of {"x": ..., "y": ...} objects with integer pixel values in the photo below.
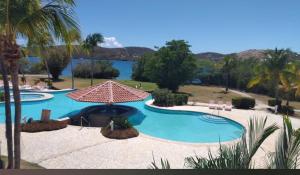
[
  {"x": 271, "y": 69},
  {"x": 287, "y": 149},
  {"x": 73, "y": 36},
  {"x": 90, "y": 44},
  {"x": 8, "y": 120},
  {"x": 37, "y": 45},
  {"x": 55, "y": 17},
  {"x": 228, "y": 65}
]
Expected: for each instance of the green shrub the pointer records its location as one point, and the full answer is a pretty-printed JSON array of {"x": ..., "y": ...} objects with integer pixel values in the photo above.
[
  {"x": 243, "y": 103},
  {"x": 121, "y": 123},
  {"x": 287, "y": 110},
  {"x": 165, "y": 98},
  {"x": 181, "y": 99},
  {"x": 272, "y": 102},
  {"x": 1, "y": 96}
]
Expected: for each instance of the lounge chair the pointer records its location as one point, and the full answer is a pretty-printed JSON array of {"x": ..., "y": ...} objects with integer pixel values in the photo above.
[
  {"x": 220, "y": 105},
  {"x": 212, "y": 104},
  {"x": 228, "y": 106}
]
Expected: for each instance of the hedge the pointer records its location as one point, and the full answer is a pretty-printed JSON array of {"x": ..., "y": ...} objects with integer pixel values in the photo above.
[
  {"x": 272, "y": 102},
  {"x": 286, "y": 110},
  {"x": 243, "y": 103},
  {"x": 40, "y": 126},
  {"x": 165, "y": 98}
]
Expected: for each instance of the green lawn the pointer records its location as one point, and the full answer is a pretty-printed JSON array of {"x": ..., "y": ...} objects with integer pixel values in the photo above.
[{"x": 24, "y": 164}]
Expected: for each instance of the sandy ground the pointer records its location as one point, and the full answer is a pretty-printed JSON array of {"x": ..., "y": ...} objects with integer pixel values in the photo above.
[{"x": 76, "y": 147}]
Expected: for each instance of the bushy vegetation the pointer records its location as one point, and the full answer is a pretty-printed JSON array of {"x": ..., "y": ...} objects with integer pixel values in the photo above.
[
  {"x": 164, "y": 97},
  {"x": 243, "y": 103},
  {"x": 171, "y": 66},
  {"x": 286, "y": 110},
  {"x": 40, "y": 126},
  {"x": 274, "y": 102},
  {"x": 102, "y": 69},
  {"x": 123, "y": 129}
]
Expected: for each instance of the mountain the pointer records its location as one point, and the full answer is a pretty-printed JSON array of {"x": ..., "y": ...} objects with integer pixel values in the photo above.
[
  {"x": 247, "y": 54},
  {"x": 210, "y": 55},
  {"x": 126, "y": 53}
]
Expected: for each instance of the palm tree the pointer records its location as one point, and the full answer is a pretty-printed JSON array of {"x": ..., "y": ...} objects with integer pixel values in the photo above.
[
  {"x": 8, "y": 120},
  {"x": 72, "y": 36},
  {"x": 271, "y": 69},
  {"x": 37, "y": 45},
  {"x": 90, "y": 44},
  {"x": 228, "y": 65},
  {"x": 287, "y": 149},
  {"x": 55, "y": 17}
]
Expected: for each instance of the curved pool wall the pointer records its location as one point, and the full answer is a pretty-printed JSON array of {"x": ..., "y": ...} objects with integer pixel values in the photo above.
[
  {"x": 176, "y": 126},
  {"x": 31, "y": 97}
]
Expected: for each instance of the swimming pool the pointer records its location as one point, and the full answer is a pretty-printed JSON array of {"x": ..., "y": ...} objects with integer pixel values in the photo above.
[{"x": 182, "y": 126}]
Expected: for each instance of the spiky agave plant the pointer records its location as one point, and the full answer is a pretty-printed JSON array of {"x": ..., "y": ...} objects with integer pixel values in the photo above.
[{"x": 287, "y": 148}]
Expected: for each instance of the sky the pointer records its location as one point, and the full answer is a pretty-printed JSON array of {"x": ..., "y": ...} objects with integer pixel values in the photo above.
[{"x": 223, "y": 26}]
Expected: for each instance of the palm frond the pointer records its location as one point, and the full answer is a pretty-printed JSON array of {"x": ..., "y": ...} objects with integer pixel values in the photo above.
[
  {"x": 258, "y": 133},
  {"x": 287, "y": 150}
]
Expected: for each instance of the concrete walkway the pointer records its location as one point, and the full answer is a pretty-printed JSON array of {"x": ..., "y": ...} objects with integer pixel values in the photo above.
[{"x": 76, "y": 147}]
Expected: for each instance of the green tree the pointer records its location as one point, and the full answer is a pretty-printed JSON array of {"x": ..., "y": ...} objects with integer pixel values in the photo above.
[
  {"x": 27, "y": 19},
  {"x": 138, "y": 69},
  {"x": 90, "y": 44},
  {"x": 73, "y": 37},
  {"x": 271, "y": 69},
  {"x": 229, "y": 64},
  {"x": 172, "y": 66},
  {"x": 57, "y": 62}
]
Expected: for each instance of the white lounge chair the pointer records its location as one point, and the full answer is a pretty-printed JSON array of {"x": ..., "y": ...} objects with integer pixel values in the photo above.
[
  {"x": 212, "y": 104},
  {"x": 228, "y": 106},
  {"x": 220, "y": 105}
]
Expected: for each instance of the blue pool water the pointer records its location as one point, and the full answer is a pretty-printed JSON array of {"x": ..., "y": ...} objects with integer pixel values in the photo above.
[
  {"x": 30, "y": 96},
  {"x": 190, "y": 127}
]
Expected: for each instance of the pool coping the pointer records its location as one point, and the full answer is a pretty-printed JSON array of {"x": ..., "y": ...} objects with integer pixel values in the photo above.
[
  {"x": 149, "y": 103},
  {"x": 46, "y": 96}
]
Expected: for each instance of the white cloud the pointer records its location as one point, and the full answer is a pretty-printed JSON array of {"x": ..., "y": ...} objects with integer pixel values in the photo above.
[{"x": 111, "y": 42}]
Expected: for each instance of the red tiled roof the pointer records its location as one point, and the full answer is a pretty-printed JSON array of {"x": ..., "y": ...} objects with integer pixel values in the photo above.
[{"x": 108, "y": 92}]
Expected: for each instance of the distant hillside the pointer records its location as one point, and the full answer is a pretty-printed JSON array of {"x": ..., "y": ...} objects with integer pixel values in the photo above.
[
  {"x": 252, "y": 53},
  {"x": 210, "y": 55},
  {"x": 127, "y": 53}
]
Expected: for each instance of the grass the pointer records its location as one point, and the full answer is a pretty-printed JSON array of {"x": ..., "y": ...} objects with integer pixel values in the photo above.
[
  {"x": 80, "y": 83},
  {"x": 24, "y": 164},
  {"x": 206, "y": 93}
]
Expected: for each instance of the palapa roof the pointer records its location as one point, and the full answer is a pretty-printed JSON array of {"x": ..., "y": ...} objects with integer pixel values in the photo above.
[{"x": 108, "y": 92}]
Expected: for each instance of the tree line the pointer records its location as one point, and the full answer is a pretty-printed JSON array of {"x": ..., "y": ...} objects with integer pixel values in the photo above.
[{"x": 276, "y": 75}]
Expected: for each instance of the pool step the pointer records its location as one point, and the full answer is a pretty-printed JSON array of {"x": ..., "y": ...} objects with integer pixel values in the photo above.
[{"x": 213, "y": 119}]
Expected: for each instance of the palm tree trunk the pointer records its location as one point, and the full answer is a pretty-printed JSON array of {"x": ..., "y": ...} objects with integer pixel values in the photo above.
[
  {"x": 227, "y": 82},
  {"x": 92, "y": 71},
  {"x": 48, "y": 73},
  {"x": 8, "y": 123},
  {"x": 17, "y": 101},
  {"x": 72, "y": 72}
]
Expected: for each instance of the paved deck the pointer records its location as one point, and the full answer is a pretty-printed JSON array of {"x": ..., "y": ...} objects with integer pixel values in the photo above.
[{"x": 74, "y": 147}]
